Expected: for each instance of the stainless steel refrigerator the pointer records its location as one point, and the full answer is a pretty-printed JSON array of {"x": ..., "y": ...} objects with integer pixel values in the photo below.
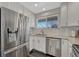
[{"x": 14, "y": 34}]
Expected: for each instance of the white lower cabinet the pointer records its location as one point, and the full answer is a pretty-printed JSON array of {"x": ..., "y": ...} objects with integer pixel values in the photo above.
[
  {"x": 31, "y": 41},
  {"x": 35, "y": 43},
  {"x": 43, "y": 44},
  {"x": 39, "y": 43},
  {"x": 55, "y": 47},
  {"x": 66, "y": 48}
]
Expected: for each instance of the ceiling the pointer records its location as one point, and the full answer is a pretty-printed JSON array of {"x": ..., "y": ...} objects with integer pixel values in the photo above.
[{"x": 42, "y": 6}]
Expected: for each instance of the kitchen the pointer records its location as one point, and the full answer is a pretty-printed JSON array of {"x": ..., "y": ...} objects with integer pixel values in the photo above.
[{"x": 52, "y": 32}]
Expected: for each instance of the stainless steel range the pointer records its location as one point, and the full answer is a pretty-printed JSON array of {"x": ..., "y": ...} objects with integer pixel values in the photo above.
[{"x": 75, "y": 49}]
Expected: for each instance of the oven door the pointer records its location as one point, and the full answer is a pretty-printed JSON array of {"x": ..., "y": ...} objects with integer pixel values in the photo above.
[{"x": 75, "y": 49}]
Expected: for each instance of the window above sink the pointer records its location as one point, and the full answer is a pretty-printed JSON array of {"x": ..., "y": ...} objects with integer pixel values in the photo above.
[{"x": 48, "y": 22}]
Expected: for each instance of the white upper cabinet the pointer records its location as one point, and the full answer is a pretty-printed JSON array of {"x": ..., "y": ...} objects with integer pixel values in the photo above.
[
  {"x": 69, "y": 14},
  {"x": 63, "y": 15},
  {"x": 73, "y": 14}
]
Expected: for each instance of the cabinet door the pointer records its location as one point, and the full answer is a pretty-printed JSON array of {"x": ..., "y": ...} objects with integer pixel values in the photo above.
[
  {"x": 66, "y": 48},
  {"x": 42, "y": 44},
  {"x": 39, "y": 44},
  {"x": 35, "y": 40},
  {"x": 73, "y": 14},
  {"x": 31, "y": 43},
  {"x": 63, "y": 15}
]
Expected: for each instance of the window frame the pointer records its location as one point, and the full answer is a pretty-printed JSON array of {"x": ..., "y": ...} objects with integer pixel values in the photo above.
[{"x": 45, "y": 17}]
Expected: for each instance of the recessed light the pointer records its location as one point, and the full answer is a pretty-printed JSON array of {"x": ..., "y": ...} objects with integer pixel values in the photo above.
[
  {"x": 35, "y": 4},
  {"x": 44, "y": 9}
]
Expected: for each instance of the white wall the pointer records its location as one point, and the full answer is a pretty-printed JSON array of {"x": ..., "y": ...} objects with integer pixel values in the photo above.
[
  {"x": 54, "y": 32},
  {"x": 16, "y": 6},
  {"x": 49, "y": 12}
]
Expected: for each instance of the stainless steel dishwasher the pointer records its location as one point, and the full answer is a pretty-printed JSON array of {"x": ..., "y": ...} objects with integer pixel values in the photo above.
[{"x": 53, "y": 46}]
